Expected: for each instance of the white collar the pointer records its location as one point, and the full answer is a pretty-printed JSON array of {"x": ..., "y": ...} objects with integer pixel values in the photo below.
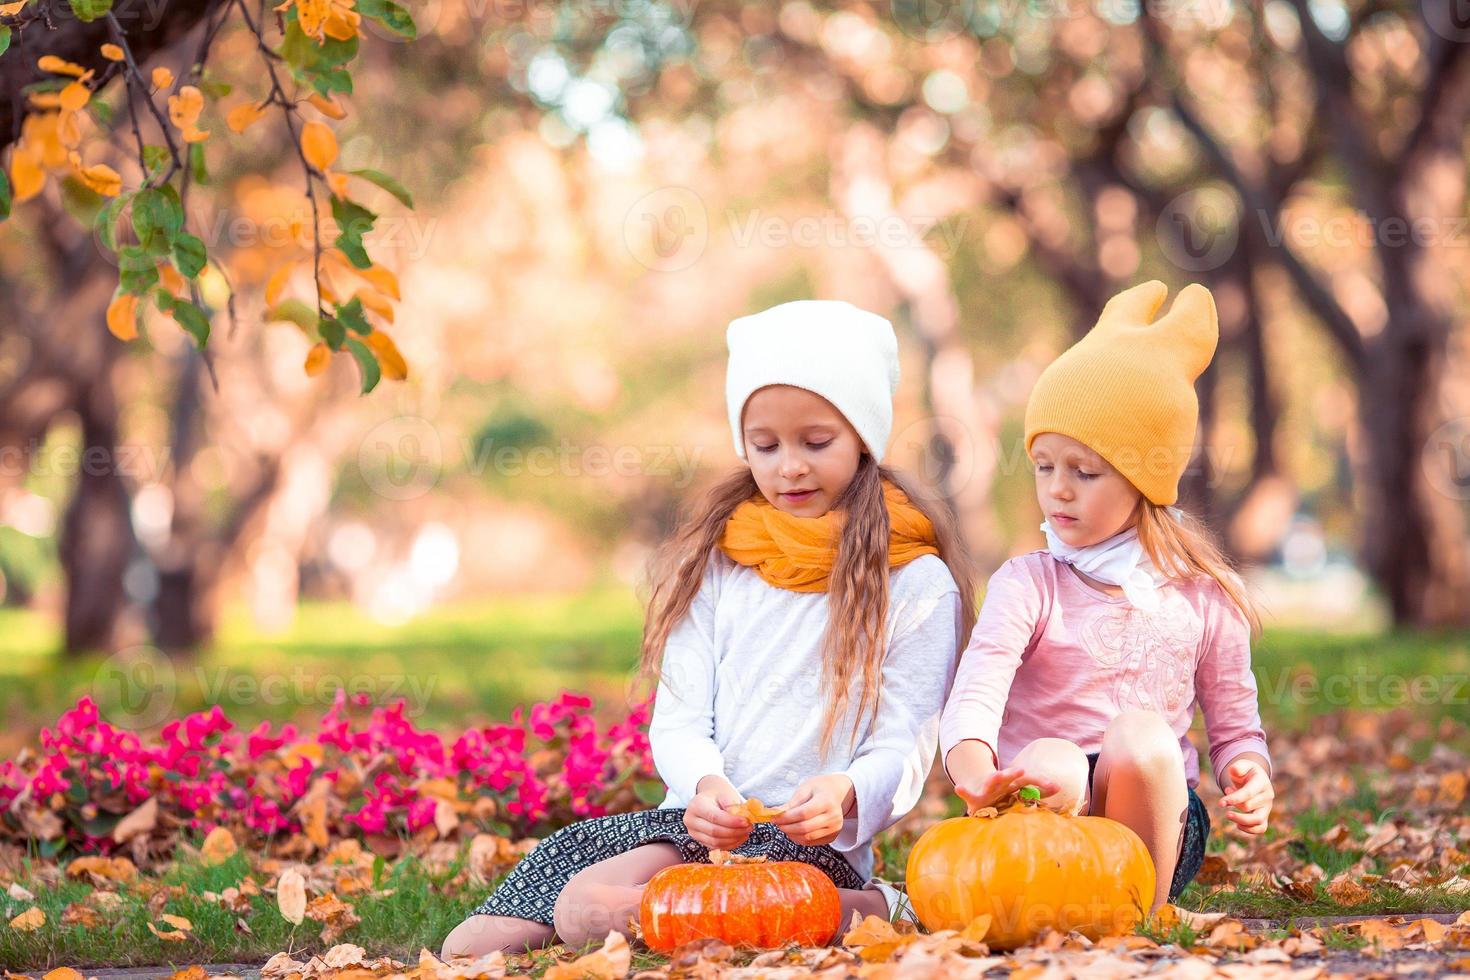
[{"x": 1119, "y": 560}]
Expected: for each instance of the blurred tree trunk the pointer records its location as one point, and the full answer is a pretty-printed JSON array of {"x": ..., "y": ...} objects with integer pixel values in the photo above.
[
  {"x": 96, "y": 541},
  {"x": 1414, "y": 537}
]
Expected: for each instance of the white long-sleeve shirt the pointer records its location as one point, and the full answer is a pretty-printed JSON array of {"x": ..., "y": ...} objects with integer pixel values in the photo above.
[{"x": 741, "y": 695}]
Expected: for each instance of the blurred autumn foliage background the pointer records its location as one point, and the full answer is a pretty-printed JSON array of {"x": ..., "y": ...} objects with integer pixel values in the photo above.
[{"x": 597, "y": 187}]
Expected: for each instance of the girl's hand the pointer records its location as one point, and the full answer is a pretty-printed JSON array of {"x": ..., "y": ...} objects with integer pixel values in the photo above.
[
  {"x": 996, "y": 786},
  {"x": 708, "y": 822},
  {"x": 1250, "y": 795},
  {"x": 814, "y": 814}
]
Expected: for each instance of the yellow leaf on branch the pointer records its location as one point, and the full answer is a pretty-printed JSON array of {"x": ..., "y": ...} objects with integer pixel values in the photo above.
[
  {"x": 243, "y": 116},
  {"x": 112, "y": 52},
  {"x": 184, "y": 110},
  {"x": 162, "y": 77},
  {"x": 26, "y": 176},
  {"x": 318, "y": 144},
  {"x": 75, "y": 96},
  {"x": 60, "y": 66},
  {"x": 327, "y": 105},
  {"x": 394, "y": 367},
  {"x": 122, "y": 316},
  {"x": 317, "y": 358},
  {"x": 326, "y": 18},
  {"x": 101, "y": 178}
]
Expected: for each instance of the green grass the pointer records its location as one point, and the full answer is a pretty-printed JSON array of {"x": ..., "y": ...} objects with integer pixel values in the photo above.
[
  {"x": 461, "y": 663},
  {"x": 478, "y": 660},
  {"x": 419, "y": 912}
]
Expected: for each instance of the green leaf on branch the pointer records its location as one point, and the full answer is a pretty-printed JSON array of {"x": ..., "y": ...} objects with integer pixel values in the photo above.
[
  {"x": 353, "y": 318},
  {"x": 186, "y": 314},
  {"x": 156, "y": 158},
  {"x": 198, "y": 171},
  {"x": 387, "y": 183},
  {"x": 4, "y": 195},
  {"x": 89, "y": 10},
  {"x": 136, "y": 270},
  {"x": 105, "y": 224},
  {"x": 354, "y": 221},
  {"x": 333, "y": 332},
  {"x": 390, "y": 15},
  {"x": 189, "y": 254},
  {"x": 294, "y": 311},
  {"x": 367, "y": 363}
]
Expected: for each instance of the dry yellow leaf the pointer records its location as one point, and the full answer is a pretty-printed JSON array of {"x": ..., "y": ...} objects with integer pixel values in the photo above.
[
  {"x": 611, "y": 962},
  {"x": 63, "y": 973},
  {"x": 394, "y": 369},
  {"x": 112, "y": 52},
  {"x": 876, "y": 940},
  {"x": 328, "y": 106},
  {"x": 60, "y": 66},
  {"x": 11, "y": 9},
  {"x": 162, "y": 77},
  {"x": 755, "y": 811},
  {"x": 143, "y": 819},
  {"x": 318, "y": 144},
  {"x": 26, "y": 176},
  {"x": 243, "y": 116},
  {"x": 218, "y": 846},
  {"x": 1345, "y": 891},
  {"x": 100, "y": 178},
  {"x": 277, "y": 282},
  {"x": 291, "y": 896},
  {"x": 113, "y": 868},
  {"x": 122, "y": 320},
  {"x": 184, "y": 110},
  {"x": 313, "y": 813},
  {"x": 171, "y": 279},
  {"x": 30, "y": 920},
  {"x": 75, "y": 96},
  {"x": 383, "y": 280},
  {"x": 77, "y": 914},
  {"x": 169, "y": 935},
  {"x": 372, "y": 300}
]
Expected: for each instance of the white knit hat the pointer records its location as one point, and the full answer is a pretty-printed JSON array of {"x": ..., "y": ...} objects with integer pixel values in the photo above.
[{"x": 847, "y": 355}]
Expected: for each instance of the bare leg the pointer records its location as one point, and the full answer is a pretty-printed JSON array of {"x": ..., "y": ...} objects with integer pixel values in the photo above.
[
  {"x": 1140, "y": 782},
  {"x": 481, "y": 934},
  {"x": 605, "y": 896},
  {"x": 1063, "y": 763}
]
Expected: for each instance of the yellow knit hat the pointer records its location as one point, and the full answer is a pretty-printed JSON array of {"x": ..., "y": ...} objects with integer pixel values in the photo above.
[{"x": 1126, "y": 390}]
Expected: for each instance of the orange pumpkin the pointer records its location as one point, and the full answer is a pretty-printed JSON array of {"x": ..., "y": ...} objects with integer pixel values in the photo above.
[
  {"x": 741, "y": 901},
  {"x": 1031, "y": 869}
]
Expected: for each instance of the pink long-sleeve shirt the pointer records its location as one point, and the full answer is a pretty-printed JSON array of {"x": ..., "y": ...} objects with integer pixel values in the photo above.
[{"x": 1052, "y": 656}]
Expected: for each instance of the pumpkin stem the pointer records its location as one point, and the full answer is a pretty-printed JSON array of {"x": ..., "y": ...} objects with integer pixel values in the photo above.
[{"x": 1030, "y": 796}]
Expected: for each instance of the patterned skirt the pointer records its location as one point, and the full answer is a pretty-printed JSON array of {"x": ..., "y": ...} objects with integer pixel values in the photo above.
[{"x": 531, "y": 889}]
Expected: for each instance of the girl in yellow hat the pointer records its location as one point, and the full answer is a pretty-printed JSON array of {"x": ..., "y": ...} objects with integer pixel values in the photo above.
[
  {"x": 1083, "y": 671},
  {"x": 807, "y": 578}
]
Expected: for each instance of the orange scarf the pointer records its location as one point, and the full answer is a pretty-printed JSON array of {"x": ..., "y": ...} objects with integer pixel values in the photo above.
[{"x": 797, "y": 553}]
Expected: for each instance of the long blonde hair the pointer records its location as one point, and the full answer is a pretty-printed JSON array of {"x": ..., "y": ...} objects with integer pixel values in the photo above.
[
  {"x": 1184, "y": 547},
  {"x": 854, "y": 643}
]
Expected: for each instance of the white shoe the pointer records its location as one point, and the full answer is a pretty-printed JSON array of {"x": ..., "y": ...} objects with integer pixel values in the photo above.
[{"x": 898, "y": 902}]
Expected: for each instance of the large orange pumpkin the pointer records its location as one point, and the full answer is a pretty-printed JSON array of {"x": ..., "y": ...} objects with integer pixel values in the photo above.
[
  {"x": 742, "y": 901},
  {"x": 1030, "y": 868}
]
